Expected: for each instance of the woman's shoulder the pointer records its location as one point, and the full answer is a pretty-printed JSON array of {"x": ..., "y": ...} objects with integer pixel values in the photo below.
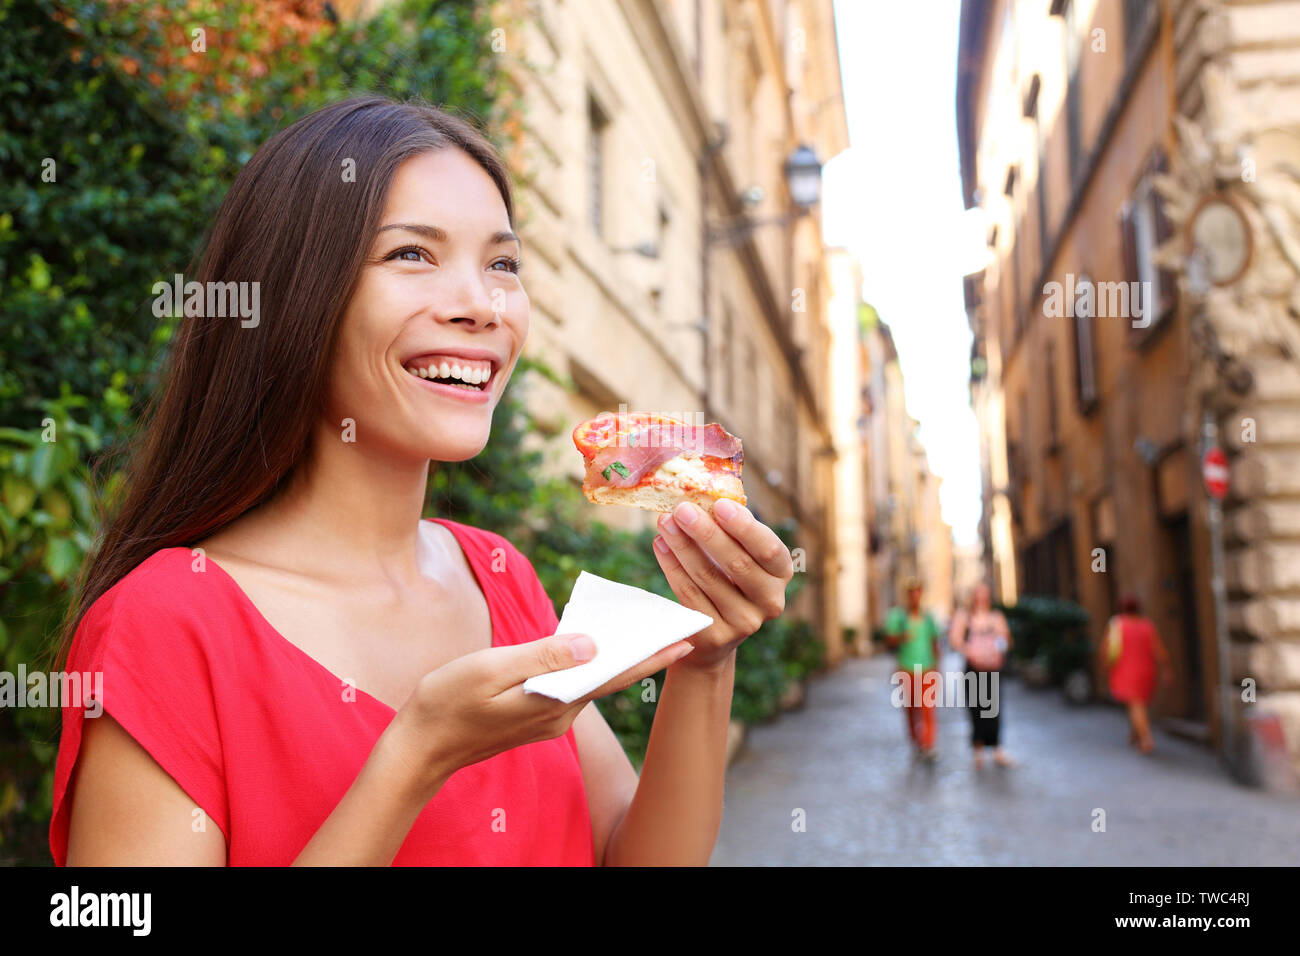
[
  {"x": 169, "y": 592},
  {"x": 468, "y": 531},
  {"x": 170, "y": 578},
  {"x": 486, "y": 544},
  {"x": 511, "y": 570}
]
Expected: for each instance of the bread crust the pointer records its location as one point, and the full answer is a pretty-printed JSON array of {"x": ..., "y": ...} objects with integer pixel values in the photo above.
[{"x": 663, "y": 497}]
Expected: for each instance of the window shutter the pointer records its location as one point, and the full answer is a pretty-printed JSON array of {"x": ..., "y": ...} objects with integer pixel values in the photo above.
[
  {"x": 1128, "y": 246},
  {"x": 1164, "y": 232},
  {"x": 1085, "y": 365},
  {"x": 1128, "y": 241}
]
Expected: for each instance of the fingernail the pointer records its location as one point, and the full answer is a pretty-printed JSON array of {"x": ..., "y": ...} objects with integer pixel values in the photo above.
[
  {"x": 725, "y": 509},
  {"x": 688, "y": 514},
  {"x": 669, "y": 526},
  {"x": 583, "y": 647},
  {"x": 689, "y": 648},
  {"x": 661, "y": 545}
]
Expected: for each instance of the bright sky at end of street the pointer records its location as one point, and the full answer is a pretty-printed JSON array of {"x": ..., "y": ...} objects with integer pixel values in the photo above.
[{"x": 894, "y": 200}]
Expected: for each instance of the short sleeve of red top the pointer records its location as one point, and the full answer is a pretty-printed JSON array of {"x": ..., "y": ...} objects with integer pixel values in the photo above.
[{"x": 266, "y": 741}]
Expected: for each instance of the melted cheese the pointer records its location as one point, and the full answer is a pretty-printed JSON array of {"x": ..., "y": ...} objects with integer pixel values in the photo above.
[{"x": 684, "y": 472}]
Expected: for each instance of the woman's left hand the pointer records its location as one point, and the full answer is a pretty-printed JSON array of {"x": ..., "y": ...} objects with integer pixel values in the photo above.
[{"x": 728, "y": 565}]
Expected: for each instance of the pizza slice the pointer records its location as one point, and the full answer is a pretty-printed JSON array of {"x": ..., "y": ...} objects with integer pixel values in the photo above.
[{"x": 655, "y": 462}]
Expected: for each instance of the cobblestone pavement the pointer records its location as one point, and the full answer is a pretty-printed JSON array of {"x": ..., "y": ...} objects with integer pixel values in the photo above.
[{"x": 844, "y": 761}]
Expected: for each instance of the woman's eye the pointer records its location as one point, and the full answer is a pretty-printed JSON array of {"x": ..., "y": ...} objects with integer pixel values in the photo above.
[
  {"x": 406, "y": 254},
  {"x": 510, "y": 265}
]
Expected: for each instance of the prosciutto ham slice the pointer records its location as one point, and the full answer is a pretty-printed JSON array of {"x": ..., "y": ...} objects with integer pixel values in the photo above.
[
  {"x": 653, "y": 461},
  {"x": 647, "y": 448}
]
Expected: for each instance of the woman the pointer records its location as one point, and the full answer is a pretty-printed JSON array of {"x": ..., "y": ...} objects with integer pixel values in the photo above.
[
  {"x": 1134, "y": 652},
  {"x": 981, "y": 635},
  {"x": 297, "y": 668}
]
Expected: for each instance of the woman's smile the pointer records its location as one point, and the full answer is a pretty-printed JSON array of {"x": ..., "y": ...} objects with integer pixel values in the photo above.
[{"x": 463, "y": 374}]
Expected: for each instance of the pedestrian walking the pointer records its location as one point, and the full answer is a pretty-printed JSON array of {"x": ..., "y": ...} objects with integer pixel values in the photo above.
[
  {"x": 1133, "y": 653},
  {"x": 980, "y": 634},
  {"x": 914, "y": 636}
]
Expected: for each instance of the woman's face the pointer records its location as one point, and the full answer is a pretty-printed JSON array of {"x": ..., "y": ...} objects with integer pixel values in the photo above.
[
  {"x": 982, "y": 598},
  {"x": 439, "y": 295}
]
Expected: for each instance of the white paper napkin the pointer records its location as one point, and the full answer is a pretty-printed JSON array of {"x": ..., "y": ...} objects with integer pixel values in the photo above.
[{"x": 628, "y": 626}]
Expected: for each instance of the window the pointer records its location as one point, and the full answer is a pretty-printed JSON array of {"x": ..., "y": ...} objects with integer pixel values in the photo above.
[
  {"x": 1053, "y": 431},
  {"x": 1073, "y": 109},
  {"x": 751, "y": 371},
  {"x": 1144, "y": 226},
  {"x": 1085, "y": 356},
  {"x": 728, "y": 373},
  {"x": 663, "y": 243},
  {"x": 1040, "y": 187},
  {"x": 1017, "y": 277},
  {"x": 1137, "y": 16},
  {"x": 1023, "y": 438},
  {"x": 1017, "y": 312},
  {"x": 597, "y": 124}
]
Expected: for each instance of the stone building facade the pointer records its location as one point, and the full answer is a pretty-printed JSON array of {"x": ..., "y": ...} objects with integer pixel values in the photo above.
[
  {"x": 667, "y": 268},
  {"x": 906, "y": 534},
  {"x": 1091, "y": 132}
]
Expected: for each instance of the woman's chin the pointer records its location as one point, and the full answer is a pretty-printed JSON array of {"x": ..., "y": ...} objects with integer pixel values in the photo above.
[{"x": 450, "y": 451}]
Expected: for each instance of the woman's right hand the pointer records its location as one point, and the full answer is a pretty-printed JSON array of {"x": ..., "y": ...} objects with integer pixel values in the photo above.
[{"x": 475, "y": 707}]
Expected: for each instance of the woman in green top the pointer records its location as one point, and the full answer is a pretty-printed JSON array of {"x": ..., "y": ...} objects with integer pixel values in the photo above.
[{"x": 915, "y": 637}]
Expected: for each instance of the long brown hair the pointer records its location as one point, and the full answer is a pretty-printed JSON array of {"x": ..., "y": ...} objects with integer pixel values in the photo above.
[{"x": 232, "y": 419}]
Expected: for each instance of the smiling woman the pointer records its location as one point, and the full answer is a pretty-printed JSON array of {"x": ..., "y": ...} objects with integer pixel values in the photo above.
[{"x": 288, "y": 652}]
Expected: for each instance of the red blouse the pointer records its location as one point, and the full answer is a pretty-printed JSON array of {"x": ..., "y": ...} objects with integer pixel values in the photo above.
[{"x": 262, "y": 737}]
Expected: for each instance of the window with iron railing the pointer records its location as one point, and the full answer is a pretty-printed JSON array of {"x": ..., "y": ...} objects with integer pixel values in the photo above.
[
  {"x": 597, "y": 127},
  {"x": 1073, "y": 107},
  {"x": 1144, "y": 226},
  {"x": 1049, "y": 383},
  {"x": 1085, "y": 356},
  {"x": 1137, "y": 15}
]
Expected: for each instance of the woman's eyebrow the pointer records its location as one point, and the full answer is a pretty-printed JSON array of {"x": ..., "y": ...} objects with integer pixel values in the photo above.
[
  {"x": 430, "y": 232},
  {"x": 438, "y": 234}
]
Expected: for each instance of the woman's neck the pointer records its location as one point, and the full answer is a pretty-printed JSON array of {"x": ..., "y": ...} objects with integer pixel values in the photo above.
[{"x": 348, "y": 513}]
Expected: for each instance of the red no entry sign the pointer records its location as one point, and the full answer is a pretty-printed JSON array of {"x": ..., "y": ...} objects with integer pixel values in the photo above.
[{"x": 1214, "y": 469}]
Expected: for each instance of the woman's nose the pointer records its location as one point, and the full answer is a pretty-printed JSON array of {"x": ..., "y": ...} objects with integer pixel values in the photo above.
[{"x": 465, "y": 298}]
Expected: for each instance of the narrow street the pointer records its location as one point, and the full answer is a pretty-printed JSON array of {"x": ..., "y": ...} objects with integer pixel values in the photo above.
[{"x": 844, "y": 761}]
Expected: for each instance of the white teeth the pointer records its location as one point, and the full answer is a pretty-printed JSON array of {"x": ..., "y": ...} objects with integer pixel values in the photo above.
[{"x": 467, "y": 373}]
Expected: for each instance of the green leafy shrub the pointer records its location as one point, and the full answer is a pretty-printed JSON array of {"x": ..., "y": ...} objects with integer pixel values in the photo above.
[
  {"x": 142, "y": 140},
  {"x": 1051, "y": 628}
]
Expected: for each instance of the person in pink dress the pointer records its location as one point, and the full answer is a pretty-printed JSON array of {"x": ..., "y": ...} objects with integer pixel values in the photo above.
[{"x": 1133, "y": 653}]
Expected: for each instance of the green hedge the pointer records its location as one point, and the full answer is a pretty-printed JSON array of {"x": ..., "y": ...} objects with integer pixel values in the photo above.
[{"x": 138, "y": 170}]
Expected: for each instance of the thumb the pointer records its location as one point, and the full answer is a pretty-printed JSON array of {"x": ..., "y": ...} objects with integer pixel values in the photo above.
[{"x": 554, "y": 653}]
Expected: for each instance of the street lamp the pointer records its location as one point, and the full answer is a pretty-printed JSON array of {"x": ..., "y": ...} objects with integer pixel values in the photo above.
[
  {"x": 803, "y": 179},
  {"x": 803, "y": 176}
]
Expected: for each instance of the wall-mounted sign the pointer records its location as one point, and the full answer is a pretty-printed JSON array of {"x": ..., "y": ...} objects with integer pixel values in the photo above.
[{"x": 1219, "y": 240}]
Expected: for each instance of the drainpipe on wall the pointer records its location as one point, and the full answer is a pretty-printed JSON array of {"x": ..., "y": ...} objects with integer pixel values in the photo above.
[{"x": 1227, "y": 730}]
